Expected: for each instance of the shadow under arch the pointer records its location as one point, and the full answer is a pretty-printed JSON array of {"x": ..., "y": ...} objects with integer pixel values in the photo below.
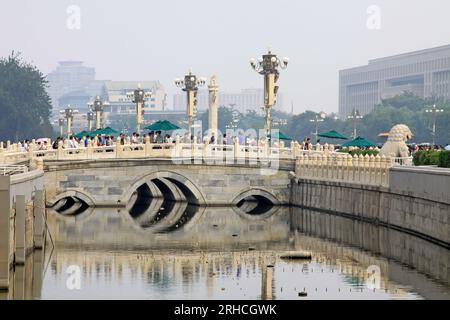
[
  {"x": 255, "y": 192},
  {"x": 255, "y": 204},
  {"x": 84, "y": 196},
  {"x": 192, "y": 194}
]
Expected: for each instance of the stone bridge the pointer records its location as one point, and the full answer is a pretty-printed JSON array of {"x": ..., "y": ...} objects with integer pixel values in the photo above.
[{"x": 108, "y": 182}]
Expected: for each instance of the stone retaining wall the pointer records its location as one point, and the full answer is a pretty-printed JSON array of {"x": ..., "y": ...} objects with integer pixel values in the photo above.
[
  {"x": 397, "y": 208},
  {"x": 22, "y": 211}
]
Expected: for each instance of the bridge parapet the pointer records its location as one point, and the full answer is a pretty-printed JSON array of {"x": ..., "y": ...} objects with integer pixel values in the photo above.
[{"x": 12, "y": 154}]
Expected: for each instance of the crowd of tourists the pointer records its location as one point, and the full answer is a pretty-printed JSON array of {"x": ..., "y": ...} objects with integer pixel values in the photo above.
[
  {"x": 136, "y": 138},
  {"x": 159, "y": 137}
]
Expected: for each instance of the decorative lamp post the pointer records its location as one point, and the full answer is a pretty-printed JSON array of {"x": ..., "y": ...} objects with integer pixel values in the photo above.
[
  {"x": 190, "y": 85},
  {"x": 268, "y": 66},
  {"x": 68, "y": 114},
  {"x": 90, "y": 118},
  {"x": 434, "y": 111},
  {"x": 97, "y": 106},
  {"x": 61, "y": 126},
  {"x": 139, "y": 96},
  {"x": 234, "y": 120},
  {"x": 317, "y": 119},
  {"x": 354, "y": 116}
]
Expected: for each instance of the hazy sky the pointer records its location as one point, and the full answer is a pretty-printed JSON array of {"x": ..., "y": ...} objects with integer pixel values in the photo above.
[{"x": 160, "y": 40}]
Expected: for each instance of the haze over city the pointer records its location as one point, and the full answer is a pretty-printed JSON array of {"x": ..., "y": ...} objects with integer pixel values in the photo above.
[{"x": 161, "y": 40}]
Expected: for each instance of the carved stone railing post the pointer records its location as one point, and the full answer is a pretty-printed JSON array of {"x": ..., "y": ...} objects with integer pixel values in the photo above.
[
  {"x": 359, "y": 169},
  {"x": 349, "y": 167},
  {"x": 2, "y": 156},
  {"x": 178, "y": 147},
  {"x": 147, "y": 146},
  {"x": 372, "y": 169},
  {"x": 378, "y": 173},
  {"x": 329, "y": 167},
  {"x": 119, "y": 149},
  {"x": 31, "y": 147},
  {"x": 90, "y": 150},
  {"x": 59, "y": 152},
  {"x": 236, "y": 148}
]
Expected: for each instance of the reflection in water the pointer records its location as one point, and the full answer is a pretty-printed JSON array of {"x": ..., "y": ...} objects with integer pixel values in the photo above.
[{"x": 192, "y": 252}]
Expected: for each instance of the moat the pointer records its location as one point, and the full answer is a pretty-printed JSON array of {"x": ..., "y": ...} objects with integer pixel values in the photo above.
[{"x": 228, "y": 253}]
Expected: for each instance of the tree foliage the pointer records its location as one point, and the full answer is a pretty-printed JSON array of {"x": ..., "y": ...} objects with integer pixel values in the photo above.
[
  {"x": 24, "y": 103},
  {"x": 405, "y": 109}
]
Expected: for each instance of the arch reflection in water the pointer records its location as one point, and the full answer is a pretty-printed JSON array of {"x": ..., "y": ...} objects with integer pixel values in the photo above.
[
  {"x": 204, "y": 260},
  {"x": 184, "y": 226}
]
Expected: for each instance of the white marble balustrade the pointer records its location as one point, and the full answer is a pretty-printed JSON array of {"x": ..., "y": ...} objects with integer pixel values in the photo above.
[{"x": 367, "y": 170}]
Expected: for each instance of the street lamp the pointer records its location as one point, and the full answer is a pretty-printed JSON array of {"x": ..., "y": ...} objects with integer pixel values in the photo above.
[
  {"x": 354, "y": 116},
  {"x": 434, "y": 111},
  {"x": 268, "y": 66},
  {"x": 61, "y": 126},
  {"x": 90, "y": 118},
  {"x": 234, "y": 120},
  {"x": 279, "y": 122},
  {"x": 317, "y": 119},
  {"x": 97, "y": 106},
  {"x": 190, "y": 85},
  {"x": 139, "y": 97},
  {"x": 68, "y": 114}
]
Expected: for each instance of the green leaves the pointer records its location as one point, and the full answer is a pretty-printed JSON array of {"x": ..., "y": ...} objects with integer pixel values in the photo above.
[{"x": 24, "y": 104}]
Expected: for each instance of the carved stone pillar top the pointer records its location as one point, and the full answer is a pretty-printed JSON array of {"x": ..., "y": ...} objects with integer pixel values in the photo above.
[{"x": 213, "y": 84}]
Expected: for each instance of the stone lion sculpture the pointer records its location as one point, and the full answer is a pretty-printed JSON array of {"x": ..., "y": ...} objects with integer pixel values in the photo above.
[{"x": 395, "y": 145}]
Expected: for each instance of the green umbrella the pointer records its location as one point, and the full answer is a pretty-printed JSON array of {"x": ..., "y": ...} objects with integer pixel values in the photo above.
[
  {"x": 332, "y": 135},
  {"x": 109, "y": 131},
  {"x": 359, "y": 142},
  {"x": 106, "y": 131},
  {"x": 82, "y": 134},
  {"x": 279, "y": 135},
  {"x": 162, "y": 125}
]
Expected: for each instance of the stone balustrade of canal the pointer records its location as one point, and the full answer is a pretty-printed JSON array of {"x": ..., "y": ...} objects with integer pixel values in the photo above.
[{"x": 367, "y": 170}]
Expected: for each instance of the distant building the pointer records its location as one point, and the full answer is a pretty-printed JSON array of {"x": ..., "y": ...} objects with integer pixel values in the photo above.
[
  {"x": 243, "y": 101},
  {"x": 69, "y": 77},
  {"x": 73, "y": 84},
  {"x": 426, "y": 73},
  {"x": 116, "y": 95}
]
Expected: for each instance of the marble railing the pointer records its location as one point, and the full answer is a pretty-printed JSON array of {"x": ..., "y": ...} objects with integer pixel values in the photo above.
[
  {"x": 367, "y": 170},
  {"x": 13, "y": 155}
]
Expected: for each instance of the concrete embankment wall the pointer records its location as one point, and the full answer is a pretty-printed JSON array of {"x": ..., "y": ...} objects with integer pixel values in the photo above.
[
  {"x": 417, "y": 201},
  {"x": 22, "y": 210}
]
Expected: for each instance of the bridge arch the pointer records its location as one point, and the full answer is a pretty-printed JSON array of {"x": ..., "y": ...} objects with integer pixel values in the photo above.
[
  {"x": 84, "y": 196},
  {"x": 187, "y": 187},
  {"x": 255, "y": 191}
]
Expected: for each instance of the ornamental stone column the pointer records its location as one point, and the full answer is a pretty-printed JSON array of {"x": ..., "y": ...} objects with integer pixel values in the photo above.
[{"x": 213, "y": 88}]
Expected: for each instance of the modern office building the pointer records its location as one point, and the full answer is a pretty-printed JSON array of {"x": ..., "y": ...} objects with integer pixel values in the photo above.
[
  {"x": 426, "y": 73},
  {"x": 243, "y": 101}
]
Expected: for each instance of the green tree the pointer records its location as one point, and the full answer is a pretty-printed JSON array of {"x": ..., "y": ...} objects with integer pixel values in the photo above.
[
  {"x": 405, "y": 100},
  {"x": 225, "y": 117},
  {"x": 24, "y": 103}
]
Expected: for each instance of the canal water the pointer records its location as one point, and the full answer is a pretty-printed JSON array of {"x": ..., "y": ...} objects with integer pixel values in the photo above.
[{"x": 189, "y": 252}]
